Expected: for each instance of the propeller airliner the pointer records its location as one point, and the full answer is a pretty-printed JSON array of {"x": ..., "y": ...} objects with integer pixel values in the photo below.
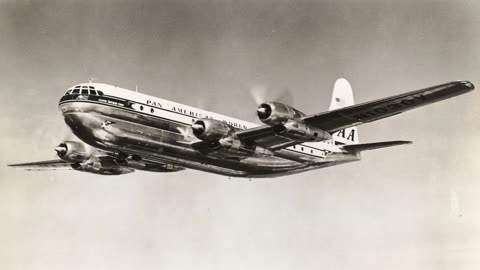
[{"x": 122, "y": 131}]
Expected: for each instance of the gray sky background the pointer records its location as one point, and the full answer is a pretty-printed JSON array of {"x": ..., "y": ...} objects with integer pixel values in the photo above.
[{"x": 412, "y": 207}]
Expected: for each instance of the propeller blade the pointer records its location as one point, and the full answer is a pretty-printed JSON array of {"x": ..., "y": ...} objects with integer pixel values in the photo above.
[{"x": 260, "y": 94}]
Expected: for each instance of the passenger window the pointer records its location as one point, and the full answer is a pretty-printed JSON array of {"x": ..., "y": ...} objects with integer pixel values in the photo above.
[
  {"x": 151, "y": 110},
  {"x": 76, "y": 91},
  {"x": 141, "y": 108},
  {"x": 311, "y": 151},
  {"x": 92, "y": 92},
  {"x": 84, "y": 91}
]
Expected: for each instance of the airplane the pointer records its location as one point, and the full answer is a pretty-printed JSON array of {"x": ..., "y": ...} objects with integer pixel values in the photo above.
[{"x": 122, "y": 131}]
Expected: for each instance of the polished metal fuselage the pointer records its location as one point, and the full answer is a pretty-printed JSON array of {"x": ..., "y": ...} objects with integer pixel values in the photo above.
[{"x": 117, "y": 125}]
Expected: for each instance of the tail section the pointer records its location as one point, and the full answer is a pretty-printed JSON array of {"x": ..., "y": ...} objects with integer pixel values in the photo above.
[{"x": 343, "y": 97}]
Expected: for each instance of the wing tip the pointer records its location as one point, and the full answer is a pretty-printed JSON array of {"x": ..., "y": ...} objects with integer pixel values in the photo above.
[{"x": 467, "y": 84}]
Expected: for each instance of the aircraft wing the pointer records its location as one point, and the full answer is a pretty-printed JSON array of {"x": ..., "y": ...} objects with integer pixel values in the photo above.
[
  {"x": 44, "y": 165},
  {"x": 355, "y": 115},
  {"x": 335, "y": 120},
  {"x": 265, "y": 137}
]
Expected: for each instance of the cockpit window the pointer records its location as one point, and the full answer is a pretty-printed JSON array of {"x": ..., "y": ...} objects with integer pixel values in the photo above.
[
  {"x": 100, "y": 93},
  {"x": 84, "y": 91},
  {"x": 91, "y": 87},
  {"x": 76, "y": 91},
  {"x": 68, "y": 92},
  {"x": 92, "y": 92}
]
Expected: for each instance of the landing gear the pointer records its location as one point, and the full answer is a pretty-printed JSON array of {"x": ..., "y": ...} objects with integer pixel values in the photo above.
[{"x": 133, "y": 161}]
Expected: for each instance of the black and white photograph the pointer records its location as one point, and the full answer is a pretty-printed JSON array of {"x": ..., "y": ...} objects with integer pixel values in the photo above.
[{"x": 221, "y": 134}]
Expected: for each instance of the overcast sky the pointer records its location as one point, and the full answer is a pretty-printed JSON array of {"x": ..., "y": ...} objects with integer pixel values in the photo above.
[{"x": 409, "y": 207}]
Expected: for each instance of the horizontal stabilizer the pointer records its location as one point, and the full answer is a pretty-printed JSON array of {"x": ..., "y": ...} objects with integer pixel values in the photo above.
[
  {"x": 371, "y": 146},
  {"x": 57, "y": 163}
]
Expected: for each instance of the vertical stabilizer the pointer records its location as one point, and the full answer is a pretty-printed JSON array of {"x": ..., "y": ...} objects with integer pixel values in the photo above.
[{"x": 343, "y": 97}]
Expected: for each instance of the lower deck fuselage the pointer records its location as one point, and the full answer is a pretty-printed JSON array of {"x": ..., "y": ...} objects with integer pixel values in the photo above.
[{"x": 119, "y": 125}]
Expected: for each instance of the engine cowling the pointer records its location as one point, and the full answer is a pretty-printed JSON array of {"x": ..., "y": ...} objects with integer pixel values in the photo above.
[
  {"x": 286, "y": 122},
  {"x": 301, "y": 132},
  {"x": 219, "y": 135},
  {"x": 211, "y": 130},
  {"x": 275, "y": 113},
  {"x": 73, "y": 152}
]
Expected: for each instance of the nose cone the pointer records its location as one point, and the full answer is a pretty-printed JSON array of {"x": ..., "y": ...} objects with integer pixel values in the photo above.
[
  {"x": 198, "y": 129},
  {"x": 264, "y": 111},
  {"x": 261, "y": 110},
  {"x": 61, "y": 150}
]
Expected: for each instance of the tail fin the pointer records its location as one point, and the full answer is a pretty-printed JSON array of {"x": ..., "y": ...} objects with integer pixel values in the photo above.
[{"x": 343, "y": 97}]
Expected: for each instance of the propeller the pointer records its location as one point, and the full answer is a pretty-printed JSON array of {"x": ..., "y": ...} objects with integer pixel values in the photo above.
[
  {"x": 264, "y": 111},
  {"x": 260, "y": 94}
]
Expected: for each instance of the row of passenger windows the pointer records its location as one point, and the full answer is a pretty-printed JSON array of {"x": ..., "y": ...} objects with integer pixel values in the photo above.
[
  {"x": 151, "y": 109},
  {"x": 84, "y": 92},
  {"x": 304, "y": 149}
]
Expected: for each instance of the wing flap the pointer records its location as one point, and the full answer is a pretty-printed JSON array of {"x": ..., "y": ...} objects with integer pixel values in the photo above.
[{"x": 265, "y": 137}]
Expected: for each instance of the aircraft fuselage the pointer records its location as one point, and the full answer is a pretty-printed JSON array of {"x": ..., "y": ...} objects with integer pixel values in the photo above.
[{"x": 123, "y": 121}]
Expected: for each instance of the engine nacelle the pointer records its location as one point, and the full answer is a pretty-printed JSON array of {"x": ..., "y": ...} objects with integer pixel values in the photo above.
[
  {"x": 133, "y": 161},
  {"x": 101, "y": 168},
  {"x": 275, "y": 113},
  {"x": 211, "y": 130},
  {"x": 301, "y": 132},
  {"x": 73, "y": 152},
  {"x": 222, "y": 140},
  {"x": 232, "y": 146}
]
